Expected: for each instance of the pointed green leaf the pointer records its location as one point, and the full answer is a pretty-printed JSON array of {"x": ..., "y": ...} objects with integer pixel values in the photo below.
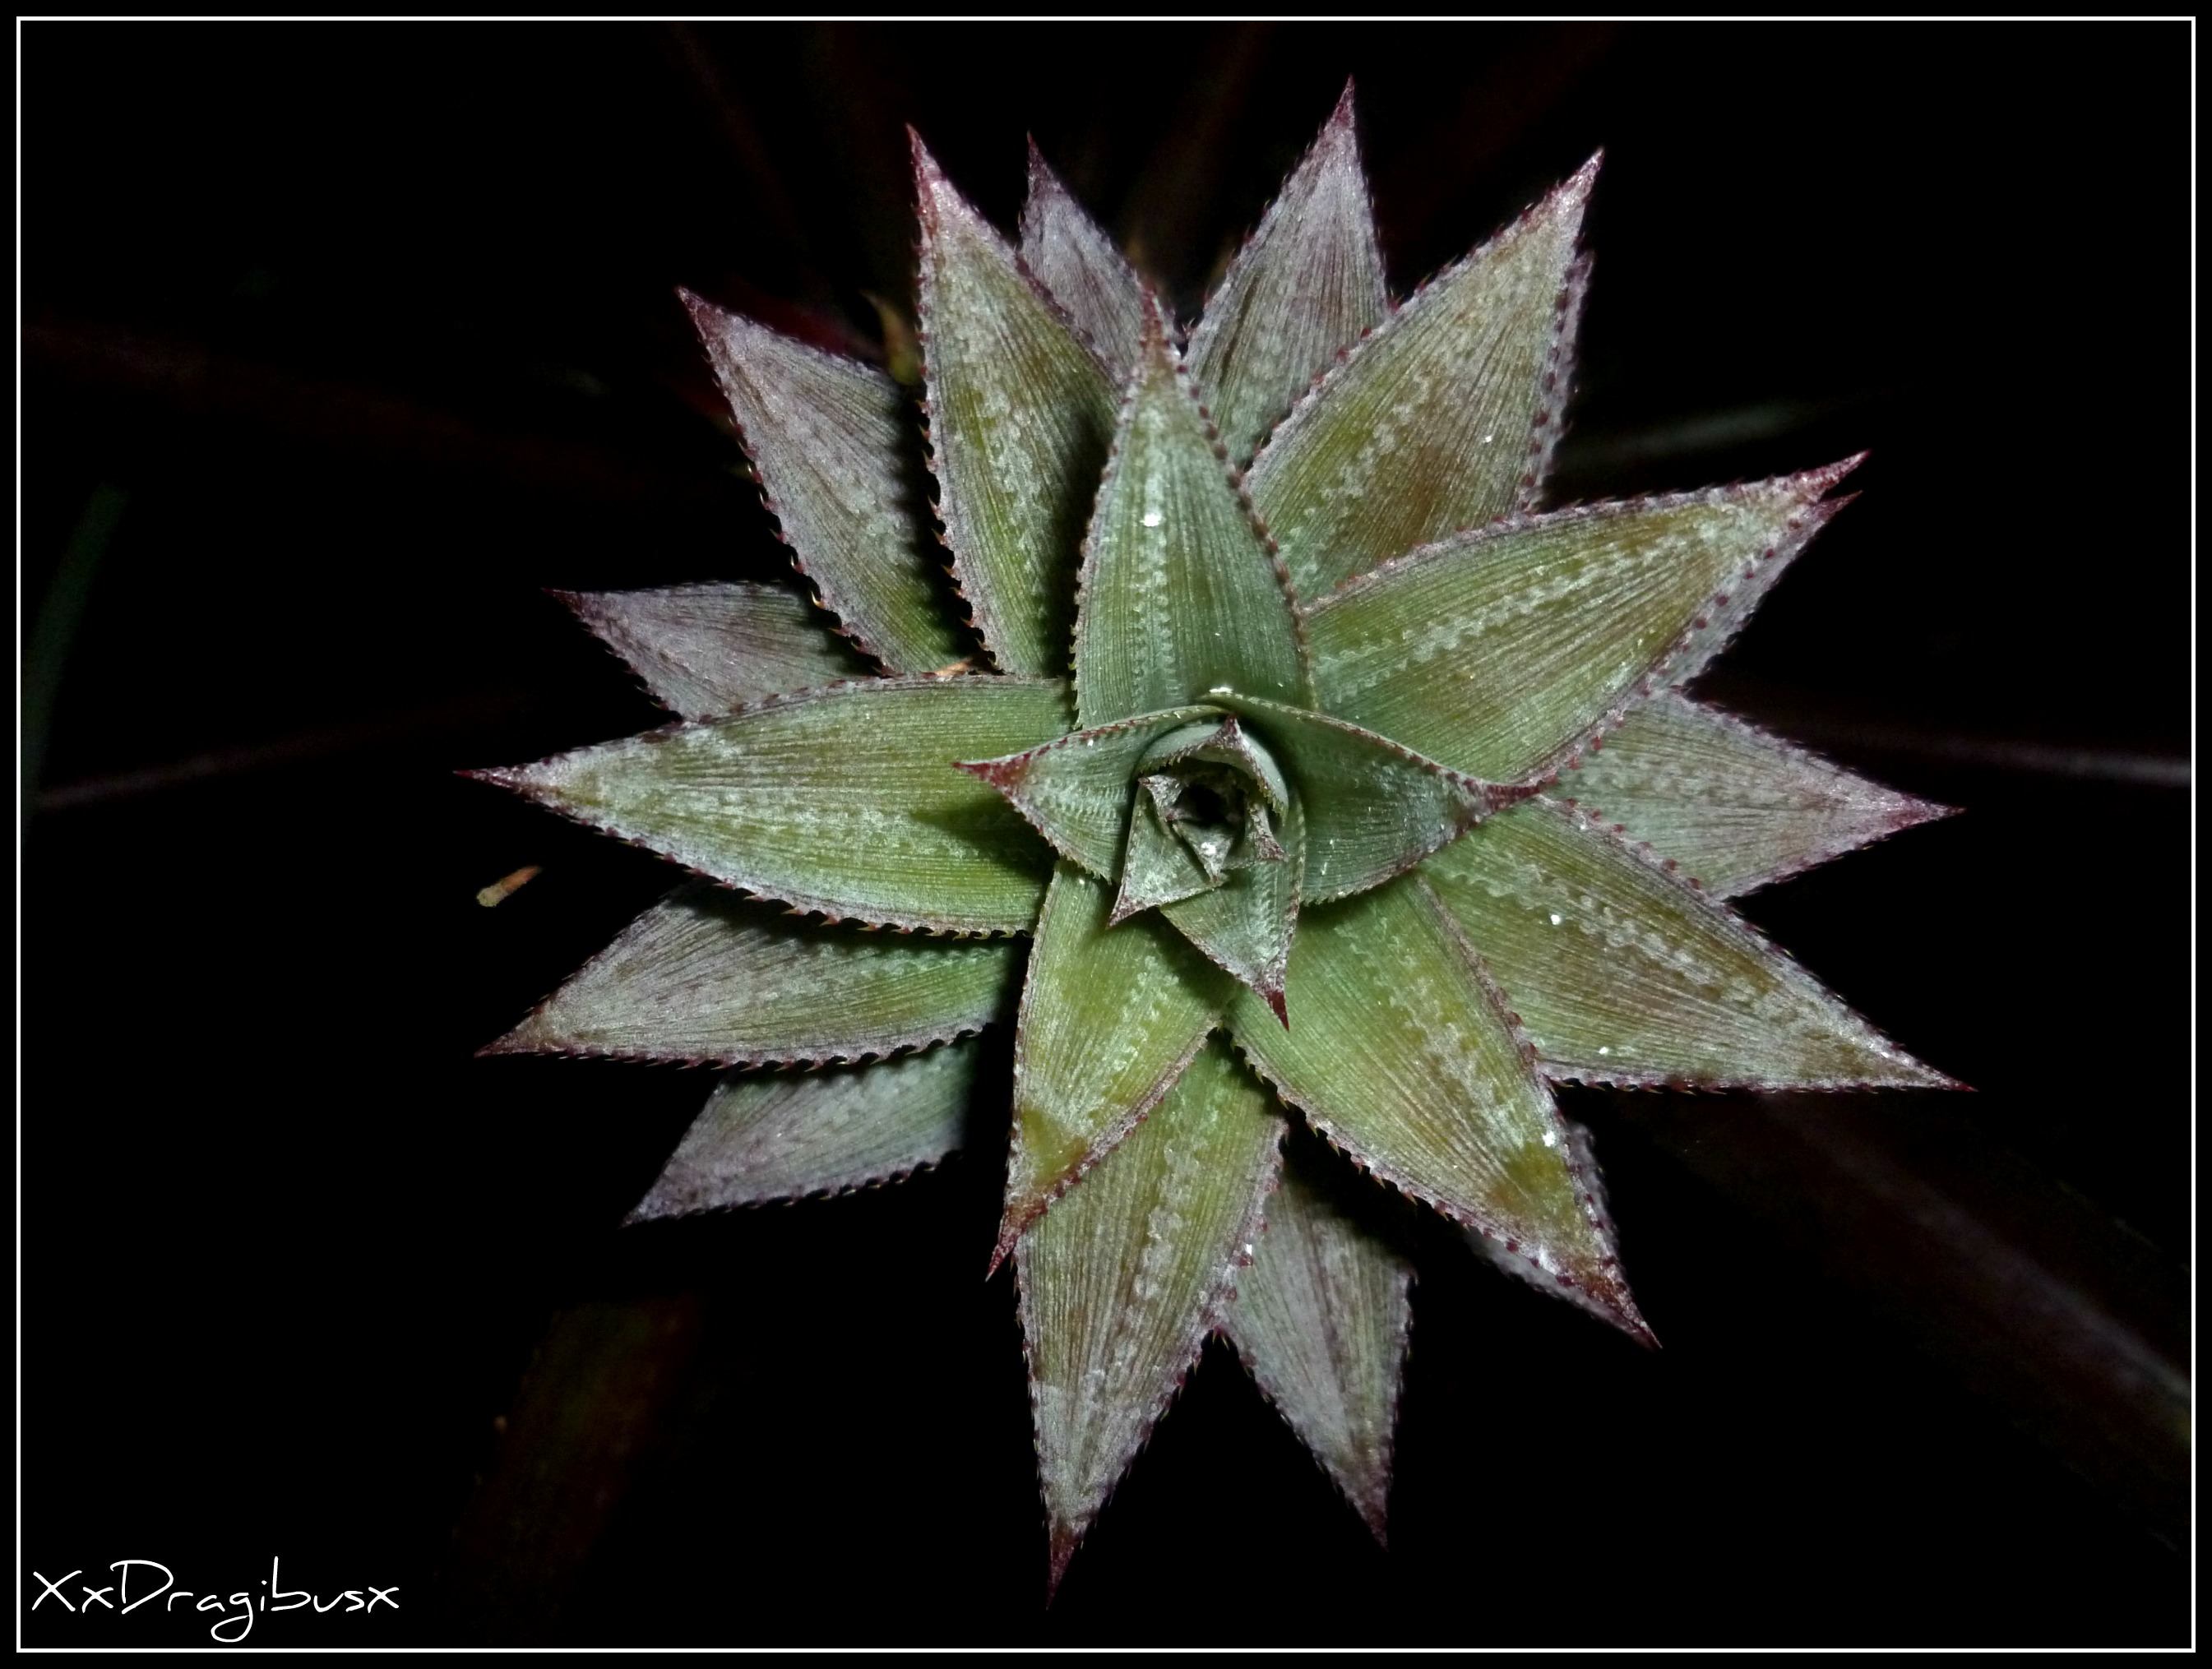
[
  {"x": 1734, "y": 807},
  {"x": 1076, "y": 789},
  {"x": 1081, "y": 269},
  {"x": 1399, "y": 1050},
  {"x": 707, "y": 650},
  {"x": 1435, "y": 421},
  {"x": 1373, "y": 809},
  {"x": 705, "y": 975},
  {"x": 1306, "y": 287},
  {"x": 845, "y": 800},
  {"x": 1109, "y": 1018},
  {"x": 1245, "y": 925},
  {"x": 767, "y": 1136},
  {"x": 1583, "y": 1161},
  {"x": 1321, "y": 1320},
  {"x": 1020, "y": 413},
  {"x": 1214, "y": 792},
  {"x": 1181, "y": 594},
  {"x": 1221, "y": 742},
  {"x": 1624, "y": 974},
  {"x": 828, "y": 437},
  {"x": 1122, "y": 1279},
  {"x": 1157, "y": 867},
  {"x": 1501, "y": 652}
]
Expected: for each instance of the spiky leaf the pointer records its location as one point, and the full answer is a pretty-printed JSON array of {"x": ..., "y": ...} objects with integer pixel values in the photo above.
[
  {"x": 1734, "y": 807},
  {"x": 1075, "y": 790},
  {"x": 1584, "y": 1160},
  {"x": 1401, "y": 1053},
  {"x": 827, "y": 437},
  {"x": 1433, "y": 422},
  {"x": 1181, "y": 594},
  {"x": 1109, "y": 1018},
  {"x": 1122, "y": 1280},
  {"x": 1372, "y": 809},
  {"x": 1498, "y": 652},
  {"x": 1157, "y": 867},
  {"x": 1306, "y": 287},
  {"x": 1020, "y": 413},
  {"x": 1245, "y": 924},
  {"x": 1624, "y": 974},
  {"x": 766, "y": 1136},
  {"x": 845, "y": 800},
  {"x": 707, "y": 650},
  {"x": 705, "y": 975},
  {"x": 1321, "y": 1320},
  {"x": 1082, "y": 270}
]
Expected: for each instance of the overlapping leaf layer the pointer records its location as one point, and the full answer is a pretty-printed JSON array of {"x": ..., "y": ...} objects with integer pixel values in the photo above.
[{"x": 1332, "y": 780}]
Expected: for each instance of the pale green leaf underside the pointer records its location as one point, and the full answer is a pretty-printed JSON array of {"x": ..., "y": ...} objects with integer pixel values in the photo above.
[
  {"x": 847, "y": 800},
  {"x": 1076, "y": 789},
  {"x": 828, "y": 437},
  {"x": 707, "y": 650},
  {"x": 1181, "y": 595},
  {"x": 1245, "y": 925},
  {"x": 1622, "y": 973},
  {"x": 1020, "y": 413},
  {"x": 1372, "y": 808},
  {"x": 1432, "y": 423},
  {"x": 1399, "y": 1052},
  {"x": 1321, "y": 1320},
  {"x": 1079, "y": 267},
  {"x": 1305, "y": 287},
  {"x": 705, "y": 976},
  {"x": 1109, "y": 1017},
  {"x": 1497, "y": 653},
  {"x": 1122, "y": 1280},
  {"x": 768, "y": 1136},
  {"x": 1735, "y": 808}
]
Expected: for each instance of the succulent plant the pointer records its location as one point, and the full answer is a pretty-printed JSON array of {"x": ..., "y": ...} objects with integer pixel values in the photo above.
[{"x": 1332, "y": 780}]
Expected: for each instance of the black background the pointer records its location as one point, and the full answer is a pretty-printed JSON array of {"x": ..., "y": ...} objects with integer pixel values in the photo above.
[{"x": 359, "y": 335}]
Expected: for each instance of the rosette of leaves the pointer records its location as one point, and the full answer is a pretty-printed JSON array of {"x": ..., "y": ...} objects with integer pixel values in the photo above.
[{"x": 1263, "y": 751}]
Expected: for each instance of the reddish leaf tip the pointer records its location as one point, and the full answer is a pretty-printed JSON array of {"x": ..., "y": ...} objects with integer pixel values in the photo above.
[
  {"x": 1065, "y": 1541},
  {"x": 1610, "y": 1295},
  {"x": 1153, "y": 335},
  {"x": 1813, "y": 482},
  {"x": 931, "y": 186}
]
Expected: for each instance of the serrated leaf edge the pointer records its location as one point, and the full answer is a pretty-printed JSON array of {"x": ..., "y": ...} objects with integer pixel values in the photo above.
[
  {"x": 1579, "y": 183},
  {"x": 1496, "y": 796},
  {"x": 1156, "y": 320},
  {"x": 1388, "y": 1174},
  {"x": 928, "y": 173},
  {"x": 1915, "y": 811},
  {"x": 697, "y": 305},
  {"x": 1588, "y": 1073},
  {"x": 998, "y": 772},
  {"x": 1207, "y": 1322},
  {"x": 1702, "y": 638},
  {"x": 831, "y": 911}
]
